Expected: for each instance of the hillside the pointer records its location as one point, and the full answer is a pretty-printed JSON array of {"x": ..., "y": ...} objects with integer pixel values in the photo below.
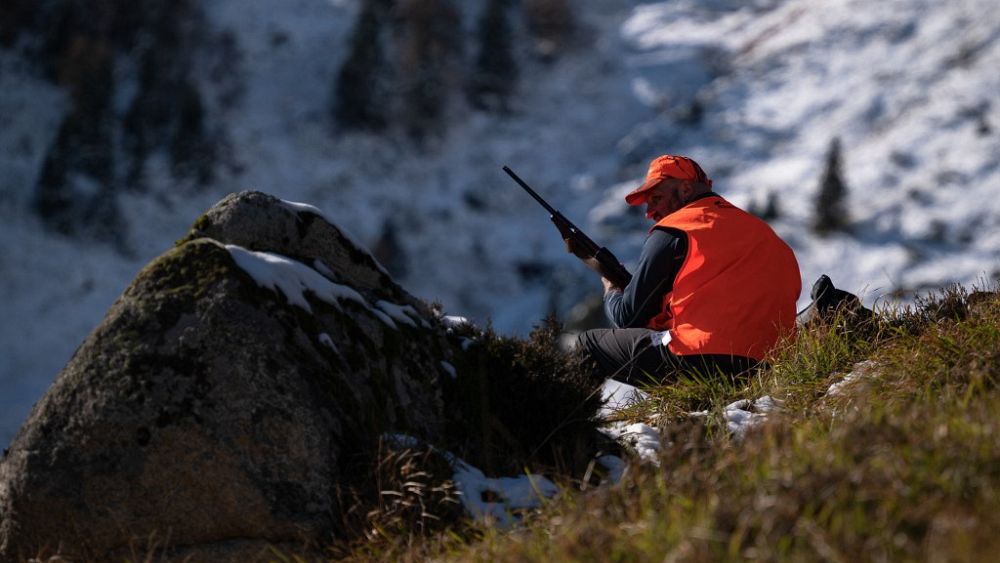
[
  {"x": 882, "y": 447},
  {"x": 755, "y": 91}
]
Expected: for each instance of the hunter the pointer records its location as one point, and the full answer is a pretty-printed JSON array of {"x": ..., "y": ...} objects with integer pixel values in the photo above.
[{"x": 713, "y": 291}]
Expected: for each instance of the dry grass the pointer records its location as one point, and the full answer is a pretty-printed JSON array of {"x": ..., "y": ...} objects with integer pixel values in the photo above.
[
  {"x": 903, "y": 465},
  {"x": 405, "y": 499}
]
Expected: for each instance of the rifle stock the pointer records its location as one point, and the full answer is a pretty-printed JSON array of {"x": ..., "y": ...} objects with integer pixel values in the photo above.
[{"x": 597, "y": 258}]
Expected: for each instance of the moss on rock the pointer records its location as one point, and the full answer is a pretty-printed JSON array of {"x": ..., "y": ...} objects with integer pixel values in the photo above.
[{"x": 201, "y": 224}]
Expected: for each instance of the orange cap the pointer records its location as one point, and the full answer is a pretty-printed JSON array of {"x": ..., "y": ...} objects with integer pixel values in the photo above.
[{"x": 667, "y": 166}]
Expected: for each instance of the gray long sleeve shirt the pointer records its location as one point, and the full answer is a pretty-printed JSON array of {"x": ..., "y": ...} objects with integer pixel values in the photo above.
[
  {"x": 642, "y": 299},
  {"x": 661, "y": 258}
]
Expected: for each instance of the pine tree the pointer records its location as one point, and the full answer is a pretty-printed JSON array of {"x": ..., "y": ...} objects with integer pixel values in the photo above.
[
  {"x": 496, "y": 72},
  {"x": 166, "y": 112},
  {"x": 388, "y": 250},
  {"x": 190, "y": 150},
  {"x": 75, "y": 192},
  {"x": 551, "y": 23},
  {"x": 359, "y": 100},
  {"x": 429, "y": 49},
  {"x": 831, "y": 204},
  {"x": 768, "y": 210},
  {"x": 771, "y": 210}
]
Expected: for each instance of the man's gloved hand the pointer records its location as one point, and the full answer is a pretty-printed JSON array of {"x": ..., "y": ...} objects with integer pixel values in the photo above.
[
  {"x": 574, "y": 248},
  {"x": 609, "y": 286},
  {"x": 572, "y": 240}
]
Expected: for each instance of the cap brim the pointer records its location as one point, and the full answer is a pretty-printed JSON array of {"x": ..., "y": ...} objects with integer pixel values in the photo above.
[{"x": 638, "y": 196}]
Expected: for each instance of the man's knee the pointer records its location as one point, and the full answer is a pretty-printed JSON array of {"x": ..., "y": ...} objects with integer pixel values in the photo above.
[
  {"x": 587, "y": 341},
  {"x": 588, "y": 350}
]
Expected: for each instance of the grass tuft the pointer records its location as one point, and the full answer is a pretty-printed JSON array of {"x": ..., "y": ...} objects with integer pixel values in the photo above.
[{"x": 405, "y": 497}]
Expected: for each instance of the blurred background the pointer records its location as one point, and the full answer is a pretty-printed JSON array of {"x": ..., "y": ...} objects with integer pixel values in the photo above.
[{"x": 865, "y": 132}]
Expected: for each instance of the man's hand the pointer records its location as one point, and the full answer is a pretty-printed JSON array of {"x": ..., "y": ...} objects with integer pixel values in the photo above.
[{"x": 609, "y": 286}]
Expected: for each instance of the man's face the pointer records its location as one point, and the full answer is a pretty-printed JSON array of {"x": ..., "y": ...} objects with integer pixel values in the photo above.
[{"x": 663, "y": 200}]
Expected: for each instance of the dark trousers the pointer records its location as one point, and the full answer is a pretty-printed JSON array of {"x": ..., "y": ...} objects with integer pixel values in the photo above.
[{"x": 629, "y": 355}]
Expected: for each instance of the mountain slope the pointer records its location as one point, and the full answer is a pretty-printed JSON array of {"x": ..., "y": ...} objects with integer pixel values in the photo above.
[{"x": 756, "y": 92}]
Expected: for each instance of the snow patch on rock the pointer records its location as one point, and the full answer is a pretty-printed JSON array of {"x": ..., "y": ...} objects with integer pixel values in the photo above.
[{"x": 291, "y": 278}]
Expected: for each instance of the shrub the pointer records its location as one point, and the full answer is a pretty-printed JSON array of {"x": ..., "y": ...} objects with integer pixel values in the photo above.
[{"x": 518, "y": 403}]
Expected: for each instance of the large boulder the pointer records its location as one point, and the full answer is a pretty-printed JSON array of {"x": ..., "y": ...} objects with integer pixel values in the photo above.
[{"x": 217, "y": 406}]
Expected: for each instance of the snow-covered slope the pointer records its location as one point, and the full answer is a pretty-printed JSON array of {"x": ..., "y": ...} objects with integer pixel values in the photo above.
[
  {"x": 754, "y": 90},
  {"x": 911, "y": 90}
]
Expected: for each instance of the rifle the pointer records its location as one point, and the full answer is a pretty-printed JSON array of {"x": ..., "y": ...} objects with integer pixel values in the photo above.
[{"x": 597, "y": 258}]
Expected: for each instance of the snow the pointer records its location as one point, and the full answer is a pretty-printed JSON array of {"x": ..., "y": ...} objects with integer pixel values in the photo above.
[
  {"x": 640, "y": 437},
  {"x": 617, "y": 396},
  {"x": 743, "y": 415},
  {"x": 30, "y": 114},
  {"x": 386, "y": 319},
  {"x": 494, "y": 499},
  {"x": 497, "y": 499},
  {"x": 307, "y": 208},
  {"x": 861, "y": 371},
  {"x": 453, "y": 321},
  {"x": 321, "y": 267},
  {"x": 325, "y": 340},
  {"x": 506, "y": 494},
  {"x": 740, "y": 417},
  {"x": 291, "y": 278},
  {"x": 909, "y": 87},
  {"x": 645, "y": 441},
  {"x": 404, "y": 314}
]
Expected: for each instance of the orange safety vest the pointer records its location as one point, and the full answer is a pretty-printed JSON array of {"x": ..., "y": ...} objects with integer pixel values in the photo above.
[{"x": 736, "y": 290}]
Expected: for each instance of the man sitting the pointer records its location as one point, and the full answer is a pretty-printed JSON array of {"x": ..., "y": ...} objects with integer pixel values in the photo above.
[{"x": 714, "y": 289}]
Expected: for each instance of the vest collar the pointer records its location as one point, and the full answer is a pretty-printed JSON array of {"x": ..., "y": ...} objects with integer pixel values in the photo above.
[{"x": 705, "y": 195}]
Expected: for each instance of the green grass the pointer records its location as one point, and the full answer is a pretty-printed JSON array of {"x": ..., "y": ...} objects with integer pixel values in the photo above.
[{"x": 903, "y": 465}]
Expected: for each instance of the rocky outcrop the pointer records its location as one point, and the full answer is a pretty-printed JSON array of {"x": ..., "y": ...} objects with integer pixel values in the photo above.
[{"x": 217, "y": 405}]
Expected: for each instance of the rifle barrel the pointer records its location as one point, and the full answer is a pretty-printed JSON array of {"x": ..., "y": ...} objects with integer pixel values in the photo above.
[{"x": 530, "y": 191}]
